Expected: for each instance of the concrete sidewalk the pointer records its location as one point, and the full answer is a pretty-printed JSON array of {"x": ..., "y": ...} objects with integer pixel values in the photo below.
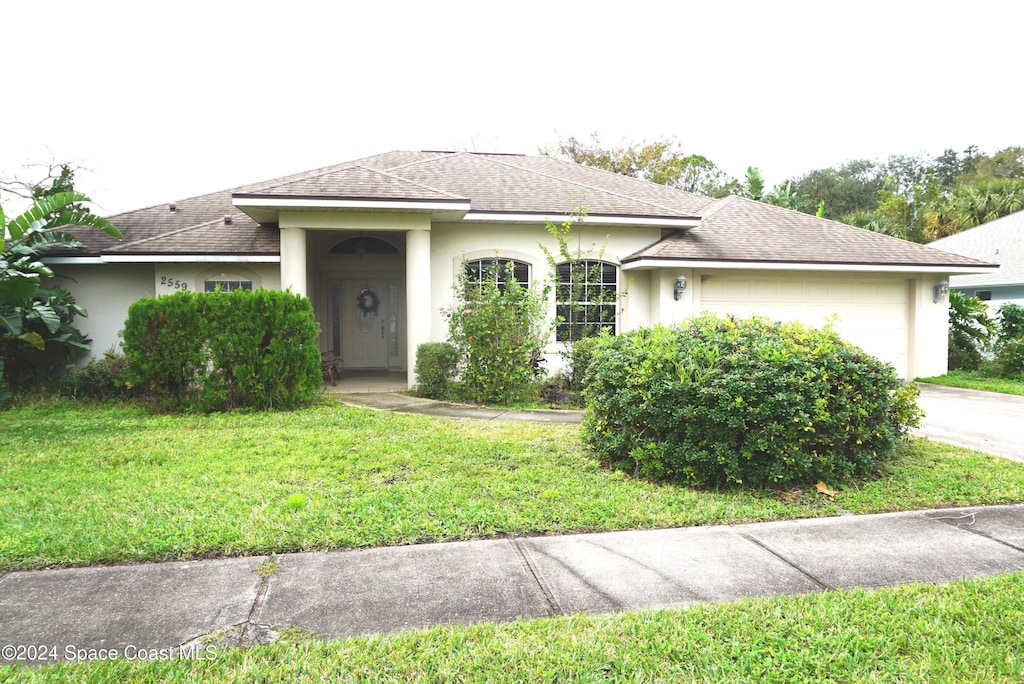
[{"x": 137, "y": 608}]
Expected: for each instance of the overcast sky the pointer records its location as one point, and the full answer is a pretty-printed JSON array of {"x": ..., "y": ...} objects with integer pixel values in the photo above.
[{"x": 163, "y": 101}]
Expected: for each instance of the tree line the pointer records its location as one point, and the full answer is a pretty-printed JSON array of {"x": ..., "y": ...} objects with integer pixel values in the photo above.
[{"x": 914, "y": 197}]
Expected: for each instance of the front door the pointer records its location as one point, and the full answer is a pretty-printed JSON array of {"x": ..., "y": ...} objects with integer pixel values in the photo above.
[{"x": 366, "y": 313}]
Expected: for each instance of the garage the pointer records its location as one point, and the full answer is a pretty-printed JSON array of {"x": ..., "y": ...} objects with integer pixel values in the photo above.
[{"x": 870, "y": 311}]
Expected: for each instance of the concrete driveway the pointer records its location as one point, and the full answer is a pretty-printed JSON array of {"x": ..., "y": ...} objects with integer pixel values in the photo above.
[{"x": 986, "y": 421}]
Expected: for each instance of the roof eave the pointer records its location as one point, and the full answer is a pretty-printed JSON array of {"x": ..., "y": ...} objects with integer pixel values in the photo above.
[
  {"x": 267, "y": 208},
  {"x": 590, "y": 219},
  {"x": 633, "y": 264}
]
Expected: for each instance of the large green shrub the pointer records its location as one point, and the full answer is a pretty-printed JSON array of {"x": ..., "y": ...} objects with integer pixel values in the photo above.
[
  {"x": 499, "y": 328},
  {"x": 436, "y": 364},
  {"x": 1010, "y": 361},
  {"x": 970, "y": 331},
  {"x": 1011, "y": 323},
  {"x": 225, "y": 349},
  {"x": 718, "y": 401}
]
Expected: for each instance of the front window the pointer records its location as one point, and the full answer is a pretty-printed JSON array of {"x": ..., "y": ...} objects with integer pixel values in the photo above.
[
  {"x": 587, "y": 299},
  {"x": 498, "y": 270},
  {"x": 226, "y": 284}
]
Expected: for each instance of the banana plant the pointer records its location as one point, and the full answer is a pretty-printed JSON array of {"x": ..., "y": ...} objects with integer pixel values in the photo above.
[{"x": 23, "y": 242}]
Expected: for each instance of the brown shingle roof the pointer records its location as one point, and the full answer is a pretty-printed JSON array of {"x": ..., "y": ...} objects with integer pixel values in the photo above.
[
  {"x": 350, "y": 182},
  {"x": 743, "y": 230},
  {"x": 732, "y": 229}
]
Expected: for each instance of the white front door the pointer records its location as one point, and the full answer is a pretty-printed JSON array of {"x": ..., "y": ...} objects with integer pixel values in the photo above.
[{"x": 367, "y": 316}]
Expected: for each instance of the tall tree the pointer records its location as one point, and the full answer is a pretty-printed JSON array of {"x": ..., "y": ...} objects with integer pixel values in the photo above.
[
  {"x": 662, "y": 161},
  {"x": 971, "y": 205},
  {"x": 851, "y": 187}
]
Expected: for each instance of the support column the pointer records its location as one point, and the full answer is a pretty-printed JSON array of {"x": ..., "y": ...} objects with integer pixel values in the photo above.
[
  {"x": 293, "y": 260},
  {"x": 417, "y": 295}
]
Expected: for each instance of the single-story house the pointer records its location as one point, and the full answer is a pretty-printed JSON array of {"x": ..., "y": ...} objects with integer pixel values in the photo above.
[
  {"x": 377, "y": 244},
  {"x": 999, "y": 242}
]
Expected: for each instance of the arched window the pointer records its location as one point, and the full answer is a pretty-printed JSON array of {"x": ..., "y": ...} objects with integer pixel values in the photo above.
[
  {"x": 497, "y": 269},
  {"x": 364, "y": 244},
  {"x": 586, "y": 299}
]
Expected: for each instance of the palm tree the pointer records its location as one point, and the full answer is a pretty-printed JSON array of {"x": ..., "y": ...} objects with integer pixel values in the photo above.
[{"x": 974, "y": 204}]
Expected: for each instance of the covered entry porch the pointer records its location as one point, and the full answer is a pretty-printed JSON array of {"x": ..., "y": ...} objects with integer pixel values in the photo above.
[{"x": 366, "y": 267}]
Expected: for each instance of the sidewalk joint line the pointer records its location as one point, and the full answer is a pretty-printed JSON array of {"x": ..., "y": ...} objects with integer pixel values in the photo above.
[
  {"x": 966, "y": 527},
  {"x": 524, "y": 554},
  {"x": 257, "y": 603},
  {"x": 824, "y": 585}
]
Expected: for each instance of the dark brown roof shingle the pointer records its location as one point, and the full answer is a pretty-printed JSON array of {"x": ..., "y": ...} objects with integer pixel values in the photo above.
[
  {"x": 744, "y": 230},
  {"x": 731, "y": 229}
]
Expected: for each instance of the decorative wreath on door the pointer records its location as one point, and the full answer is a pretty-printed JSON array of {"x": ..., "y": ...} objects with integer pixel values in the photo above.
[{"x": 368, "y": 302}]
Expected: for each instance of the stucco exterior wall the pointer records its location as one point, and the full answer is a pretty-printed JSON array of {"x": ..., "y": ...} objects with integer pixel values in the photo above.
[
  {"x": 892, "y": 315},
  {"x": 452, "y": 243},
  {"x": 107, "y": 290}
]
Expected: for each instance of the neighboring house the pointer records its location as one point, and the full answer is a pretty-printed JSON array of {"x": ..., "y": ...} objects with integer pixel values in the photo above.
[
  {"x": 377, "y": 244},
  {"x": 999, "y": 242}
]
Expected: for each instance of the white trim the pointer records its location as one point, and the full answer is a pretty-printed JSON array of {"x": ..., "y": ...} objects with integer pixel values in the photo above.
[
  {"x": 187, "y": 259},
  {"x": 790, "y": 266},
  {"x": 499, "y": 217},
  {"x": 72, "y": 260},
  {"x": 301, "y": 203}
]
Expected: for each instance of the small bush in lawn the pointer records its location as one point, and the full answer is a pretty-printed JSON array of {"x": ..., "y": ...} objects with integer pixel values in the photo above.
[
  {"x": 718, "y": 401},
  {"x": 436, "y": 363},
  {"x": 580, "y": 355},
  {"x": 1010, "y": 362},
  {"x": 103, "y": 378}
]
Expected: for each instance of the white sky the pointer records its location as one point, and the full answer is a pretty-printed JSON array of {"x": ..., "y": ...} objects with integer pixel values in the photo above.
[{"x": 162, "y": 101}]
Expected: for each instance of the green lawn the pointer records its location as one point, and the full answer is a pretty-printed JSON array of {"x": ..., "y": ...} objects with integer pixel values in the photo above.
[
  {"x": 967, "y": 631},
  {"x": 978, "y": 381},
  {"x": 90, "y": 484}
]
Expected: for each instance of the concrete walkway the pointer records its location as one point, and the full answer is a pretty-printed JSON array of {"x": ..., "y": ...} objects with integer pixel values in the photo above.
[
  {"x": 172, "y": 605},
  {"x": 986, "y": 421}
]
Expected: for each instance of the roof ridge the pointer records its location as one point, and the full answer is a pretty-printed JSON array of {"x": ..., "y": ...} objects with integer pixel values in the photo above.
[
  {"x": 437, "y": 155},
  {"x": 412, "y": 182},
  {"x": 591, "y": 187},
  {"x": 717, "y": 205},
  {"x": 168, "y": 233}
]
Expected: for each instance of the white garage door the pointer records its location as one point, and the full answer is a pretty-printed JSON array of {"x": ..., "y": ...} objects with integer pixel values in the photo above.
[{"x": 872, "y": 313}]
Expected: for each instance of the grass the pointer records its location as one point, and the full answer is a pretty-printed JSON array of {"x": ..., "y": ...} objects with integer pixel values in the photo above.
[
  {"x": 967, "y": 631},
  {"x": 106, "y": 484},
  {"x": 977, "y": 380}
]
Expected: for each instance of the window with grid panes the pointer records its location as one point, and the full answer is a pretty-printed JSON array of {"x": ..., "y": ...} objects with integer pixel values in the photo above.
[
  {"x": 498, "y": 269},
  {"x": 587, "y": 299}
]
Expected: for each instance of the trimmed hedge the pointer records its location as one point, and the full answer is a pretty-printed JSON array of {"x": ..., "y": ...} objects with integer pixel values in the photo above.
[
  {"x": 718, "y": 401},
  {"x": 222, "y": 350},
  {"x": 436, "y": 365}
]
